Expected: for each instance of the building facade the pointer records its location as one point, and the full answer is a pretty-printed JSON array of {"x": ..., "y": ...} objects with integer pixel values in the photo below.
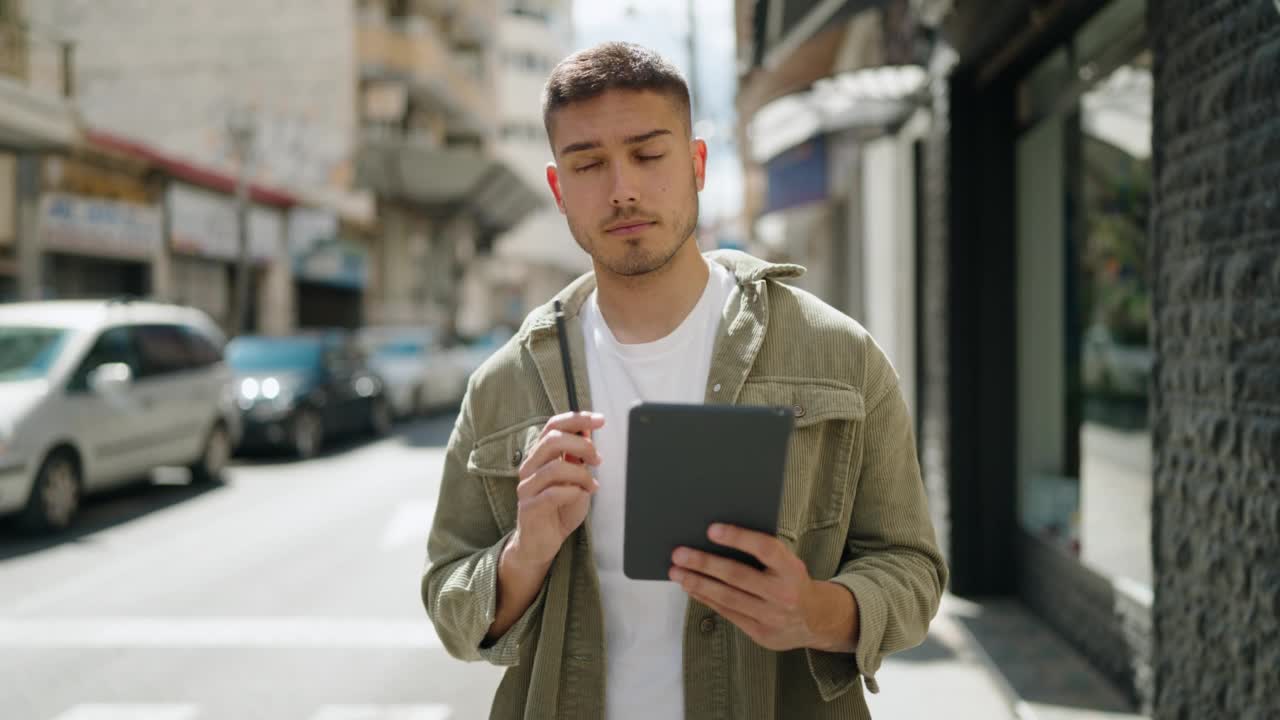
[
  {"x": 1095, "y": 270},
  {"x": 427, "y": 89},
  {"x": 364, "y": 127},
  {"x": 538, "y": 257},
  {"x": 36, "y": 117}
]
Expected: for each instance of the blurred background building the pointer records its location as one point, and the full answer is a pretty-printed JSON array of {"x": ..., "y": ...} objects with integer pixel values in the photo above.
[
  {"x": 536, "y": 258},
  {"x": 1059, "y": 218},
  {"x": 364, "y": 131}
]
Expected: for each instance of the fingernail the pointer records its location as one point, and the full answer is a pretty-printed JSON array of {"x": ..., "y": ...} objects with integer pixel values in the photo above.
[
  {"x": 676, "y": 574},
  {"x": 717, "y": 531},
  {"x": 680, "y": 556}
]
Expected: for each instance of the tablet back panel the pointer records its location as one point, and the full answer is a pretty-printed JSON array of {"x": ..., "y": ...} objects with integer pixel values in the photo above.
[{"x": 689, "y": 466}]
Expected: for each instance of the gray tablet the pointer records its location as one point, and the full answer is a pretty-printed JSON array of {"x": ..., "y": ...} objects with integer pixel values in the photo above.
[{"x": 689, "y": 466}]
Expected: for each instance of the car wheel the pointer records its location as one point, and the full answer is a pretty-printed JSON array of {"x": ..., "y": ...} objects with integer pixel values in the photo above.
[
  {"x": 213, "y": 460},
  {"x": 307, "y": 434},
  {"x": 380, "y": 416},
  {"x": 55, "y": 496}
]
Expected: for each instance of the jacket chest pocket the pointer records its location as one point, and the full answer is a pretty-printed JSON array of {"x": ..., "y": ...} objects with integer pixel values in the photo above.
[
  {"x": 818, "y": 488},
  {"x": 495, "y": 460}
]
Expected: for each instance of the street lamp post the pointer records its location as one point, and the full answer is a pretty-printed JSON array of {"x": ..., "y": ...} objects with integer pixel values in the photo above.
[{"x": 240, "y": 128}]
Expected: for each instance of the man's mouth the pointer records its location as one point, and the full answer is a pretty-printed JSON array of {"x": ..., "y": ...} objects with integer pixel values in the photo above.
[{"x": 629, "y": 228}]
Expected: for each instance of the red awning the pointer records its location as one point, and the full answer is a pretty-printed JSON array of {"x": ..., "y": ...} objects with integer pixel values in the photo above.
[{"x": 188, "y": 171}]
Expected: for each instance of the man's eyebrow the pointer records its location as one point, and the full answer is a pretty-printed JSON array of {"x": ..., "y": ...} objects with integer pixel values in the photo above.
[
  {"x": 632, "y": 140},
  {"x": 579, "y": 147},
  {"x": 636, "y": 139}
]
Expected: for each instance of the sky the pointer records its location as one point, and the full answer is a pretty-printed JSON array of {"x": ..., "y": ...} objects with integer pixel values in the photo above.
[{"x": 663, "y": 25}]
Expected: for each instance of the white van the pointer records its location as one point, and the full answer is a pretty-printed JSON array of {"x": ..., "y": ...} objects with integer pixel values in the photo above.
[{"x": 96, "y": 394}]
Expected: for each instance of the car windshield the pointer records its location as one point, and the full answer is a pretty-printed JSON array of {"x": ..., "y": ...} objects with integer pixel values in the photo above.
[
  {"x": 400, "y": 349},
  {"x": 273, "y": 354},
  {"x": 28, "y": 353}
]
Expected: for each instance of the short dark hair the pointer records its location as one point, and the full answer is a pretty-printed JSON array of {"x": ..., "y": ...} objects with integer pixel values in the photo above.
[{"x": 589, "y": 73}]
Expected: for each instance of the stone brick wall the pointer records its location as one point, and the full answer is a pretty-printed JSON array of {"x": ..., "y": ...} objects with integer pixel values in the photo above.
[{"x": 1216, "y": 264}]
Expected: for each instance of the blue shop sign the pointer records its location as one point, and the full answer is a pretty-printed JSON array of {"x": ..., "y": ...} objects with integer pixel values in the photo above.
[
  {"x": 797, "y": 176},
  {"x": 335, "y": 262}
]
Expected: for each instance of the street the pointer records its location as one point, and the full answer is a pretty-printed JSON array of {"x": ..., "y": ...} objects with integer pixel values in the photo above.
[{"x": 288, "y": 591}]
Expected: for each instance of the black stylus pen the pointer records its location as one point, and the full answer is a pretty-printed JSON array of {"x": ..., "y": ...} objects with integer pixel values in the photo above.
[
  {"x": 564, "y": 358},
  {"x": 568, "y": 372}
]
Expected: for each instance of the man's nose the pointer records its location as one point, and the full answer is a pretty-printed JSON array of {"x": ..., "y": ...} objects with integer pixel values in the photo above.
[{"x": 623, "y": 192}]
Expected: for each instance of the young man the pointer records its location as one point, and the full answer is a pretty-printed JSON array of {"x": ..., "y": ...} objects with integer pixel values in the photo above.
[{"x": 525, "y": 555}]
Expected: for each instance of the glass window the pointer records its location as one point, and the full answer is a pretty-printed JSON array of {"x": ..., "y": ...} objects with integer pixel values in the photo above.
[
  {"x": 204, "y": 351},
  {"x": 261, "y": 354},
  {"x": 1084, "y": 320},
  {"x": 28, "y": 353},
  {"x": 164, "y": 350},
  {"x": 115, "y": 345}
]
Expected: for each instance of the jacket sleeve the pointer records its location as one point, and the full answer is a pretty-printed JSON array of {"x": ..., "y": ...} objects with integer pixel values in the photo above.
[
  {"x": 460, "y": 583},
  {"x": 891, "y": 561}
]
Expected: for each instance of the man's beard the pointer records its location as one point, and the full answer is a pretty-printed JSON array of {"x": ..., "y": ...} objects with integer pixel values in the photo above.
[{"x": 635, "y": 260}]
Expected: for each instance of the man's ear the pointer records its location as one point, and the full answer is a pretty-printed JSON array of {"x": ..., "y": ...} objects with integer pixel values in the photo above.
[
  {"x": 699, "y": 152},
  {"x": 553, "y": 181}
]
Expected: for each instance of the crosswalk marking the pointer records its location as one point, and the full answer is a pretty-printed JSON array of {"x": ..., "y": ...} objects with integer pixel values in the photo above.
[
  {"x": 217, "y": 632},
  {"x": 383, "y": 712},
  {"x": 410, "y": 524},
  {"x": 109, "y": 711}
]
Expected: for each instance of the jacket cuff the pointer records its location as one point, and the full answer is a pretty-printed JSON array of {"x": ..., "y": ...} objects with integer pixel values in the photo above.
[
  {"x": 505, "y": 651},
  {"x": 836, "y": 673}
]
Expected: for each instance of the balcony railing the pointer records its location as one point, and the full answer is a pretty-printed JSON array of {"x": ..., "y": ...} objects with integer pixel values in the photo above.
[
  {"x": 38, "y": 61},
  {"x": 416, "y": 53}
]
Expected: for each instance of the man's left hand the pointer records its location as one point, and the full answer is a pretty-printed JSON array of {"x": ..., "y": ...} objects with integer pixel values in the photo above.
[{"x": 778, "y": 607}]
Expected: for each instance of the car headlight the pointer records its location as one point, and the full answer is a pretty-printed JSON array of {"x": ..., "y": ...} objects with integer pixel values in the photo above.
[{"x": 249, "y": 389}]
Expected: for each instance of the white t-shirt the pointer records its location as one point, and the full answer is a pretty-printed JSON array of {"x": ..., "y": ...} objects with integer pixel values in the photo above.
[{"x": 644, "y": 620}]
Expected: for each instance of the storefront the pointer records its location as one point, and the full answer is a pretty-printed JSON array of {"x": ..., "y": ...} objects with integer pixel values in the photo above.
[
  {"x": 1045, "y": 332},
  {"x": 330, "y": 270},
  {"x": 204, "y": 246},
  {"x": 96, "y": 248},
  {"x": 8, "y": 227}
]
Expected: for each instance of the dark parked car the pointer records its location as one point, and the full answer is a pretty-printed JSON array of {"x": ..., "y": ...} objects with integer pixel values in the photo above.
[{"x": 296, "y": 392}]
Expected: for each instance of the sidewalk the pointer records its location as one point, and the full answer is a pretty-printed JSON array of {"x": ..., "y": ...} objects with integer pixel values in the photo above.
[{"x": 993, "y": 660}]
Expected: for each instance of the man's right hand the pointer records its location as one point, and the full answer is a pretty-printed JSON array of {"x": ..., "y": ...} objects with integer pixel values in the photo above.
[
  {"x": 554, "y": 492},
  {"x": 554, "y": 498}
]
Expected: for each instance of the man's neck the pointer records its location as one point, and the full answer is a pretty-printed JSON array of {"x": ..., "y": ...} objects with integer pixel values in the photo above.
[{"x": 650, "y": 307}]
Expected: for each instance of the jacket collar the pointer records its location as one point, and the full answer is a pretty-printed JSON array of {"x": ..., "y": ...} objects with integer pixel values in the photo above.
[
  {"x": 732, "y": 359},
  {"x": 745, "y": 268}
]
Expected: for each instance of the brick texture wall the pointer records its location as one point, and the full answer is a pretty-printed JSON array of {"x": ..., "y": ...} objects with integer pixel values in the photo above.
[{"x": 1216, "y": 263}]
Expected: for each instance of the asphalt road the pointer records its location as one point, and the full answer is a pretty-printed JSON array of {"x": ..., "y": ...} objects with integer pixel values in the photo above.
[{"x": 288, "y": 592}]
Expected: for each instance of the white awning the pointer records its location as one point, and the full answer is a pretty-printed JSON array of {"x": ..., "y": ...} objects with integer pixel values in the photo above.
[
  {"x": 445, "y": 178},
  {"x": 870, "y": 97}
]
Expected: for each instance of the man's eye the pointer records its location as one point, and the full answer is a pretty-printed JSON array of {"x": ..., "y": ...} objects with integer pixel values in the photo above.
[
  {"x": 646, "y": 158},
  {"x": 589, "y": 166}
]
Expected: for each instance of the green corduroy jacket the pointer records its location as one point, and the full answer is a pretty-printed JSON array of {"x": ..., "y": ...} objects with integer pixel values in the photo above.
[{"x": 853, "y": 509}]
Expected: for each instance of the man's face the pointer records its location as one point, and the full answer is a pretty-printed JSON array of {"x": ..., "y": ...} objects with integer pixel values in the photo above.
[{"x": 627, "y": 176}]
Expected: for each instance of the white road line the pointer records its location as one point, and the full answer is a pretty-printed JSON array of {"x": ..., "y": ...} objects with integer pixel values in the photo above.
[
  {"x": 217, "y": 632},
  {"x": 383, "y": 712},
  {"x": 111, "y": 711},
  {"x": 410, "y": 524}
]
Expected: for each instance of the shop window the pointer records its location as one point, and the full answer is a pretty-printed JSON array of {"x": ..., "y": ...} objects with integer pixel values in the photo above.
[{"x": 1084, "y": 304}]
